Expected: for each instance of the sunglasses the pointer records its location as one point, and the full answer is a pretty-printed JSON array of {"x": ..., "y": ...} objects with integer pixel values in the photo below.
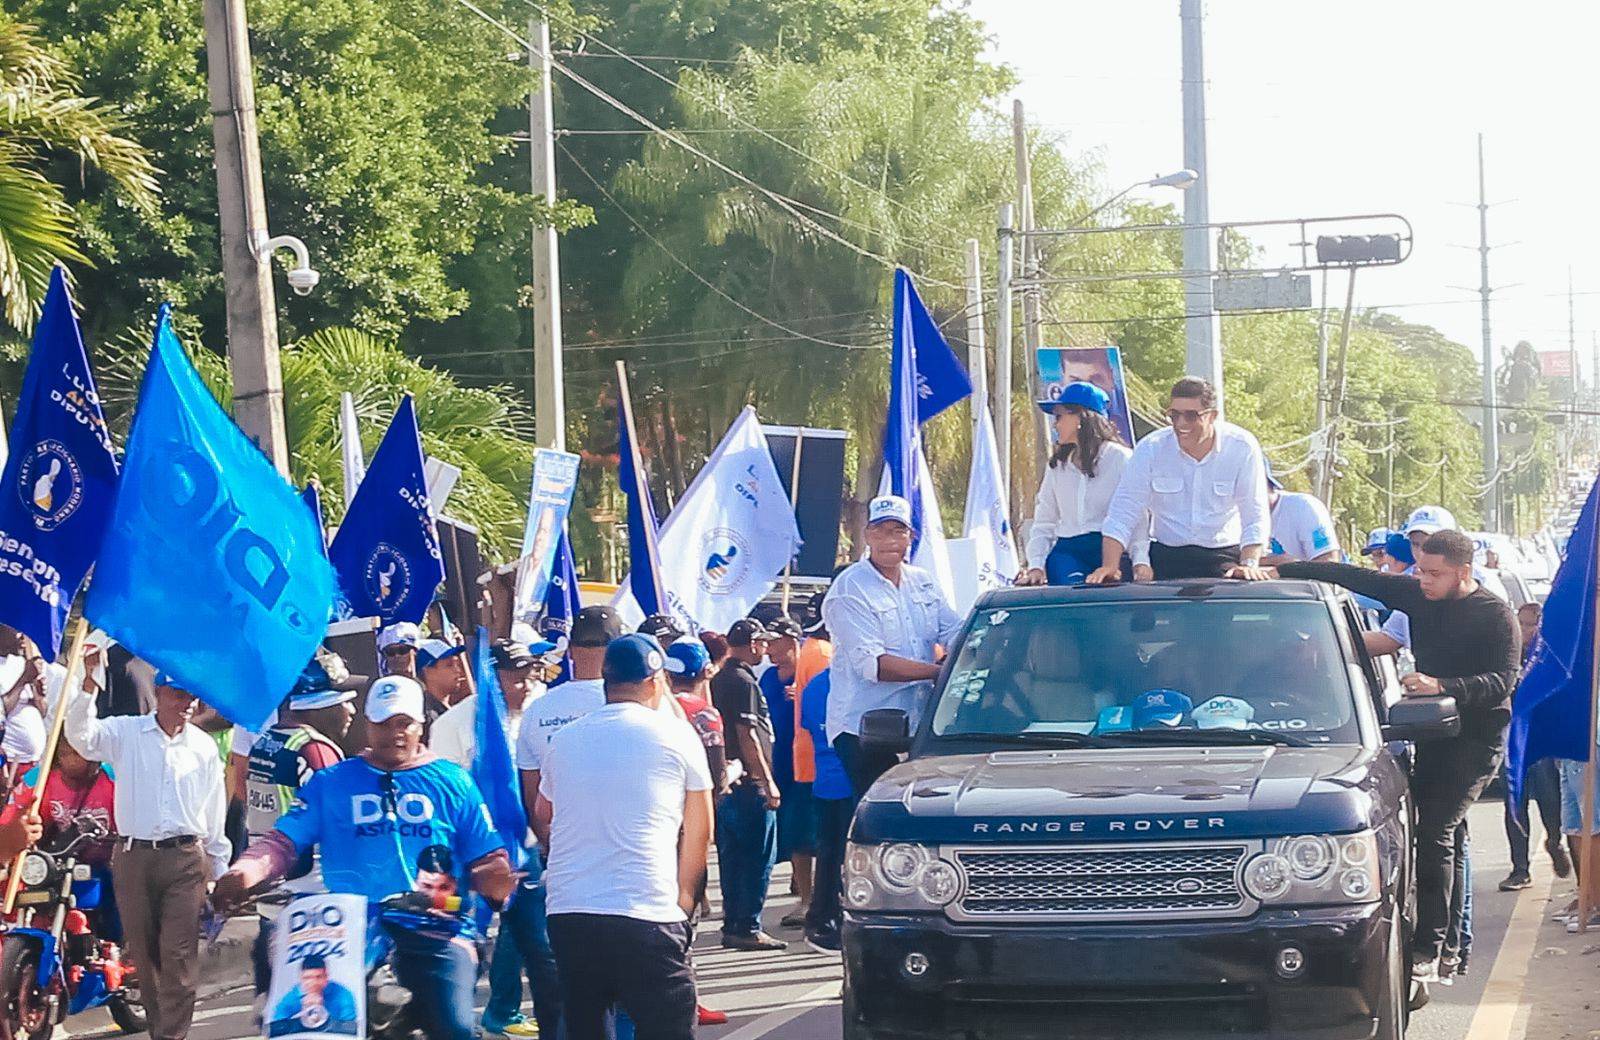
[
  {"x": 397, "y": 649},
  {"x": 1190, "y": 415}
]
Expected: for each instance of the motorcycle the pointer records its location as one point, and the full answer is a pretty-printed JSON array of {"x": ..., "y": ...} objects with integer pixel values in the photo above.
[{"x": 55, "y": 964}]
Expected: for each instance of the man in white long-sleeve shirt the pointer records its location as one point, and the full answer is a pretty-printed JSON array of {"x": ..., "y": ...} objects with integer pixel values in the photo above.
[
  {"x": 171, "y": 808},
  {"x": 1203, "y": 482},
  {"x": 886, "y": 617}
]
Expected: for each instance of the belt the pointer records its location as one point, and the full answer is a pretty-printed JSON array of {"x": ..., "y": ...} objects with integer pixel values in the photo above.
[{"x": 182, "y": 841}]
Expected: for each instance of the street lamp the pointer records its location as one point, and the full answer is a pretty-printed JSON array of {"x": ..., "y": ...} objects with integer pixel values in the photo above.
[{"x": 1182, "y": 180}]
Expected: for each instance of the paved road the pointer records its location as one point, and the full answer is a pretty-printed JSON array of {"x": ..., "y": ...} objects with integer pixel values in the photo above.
[{"x": 793, "y": 995}]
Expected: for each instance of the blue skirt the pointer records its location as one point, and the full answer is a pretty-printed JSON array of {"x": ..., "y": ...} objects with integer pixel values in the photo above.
[{"x": 1073, "y": 559}]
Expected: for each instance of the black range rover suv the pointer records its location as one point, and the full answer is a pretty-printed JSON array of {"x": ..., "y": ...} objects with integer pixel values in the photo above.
[{"x": 1178, "y": 808}]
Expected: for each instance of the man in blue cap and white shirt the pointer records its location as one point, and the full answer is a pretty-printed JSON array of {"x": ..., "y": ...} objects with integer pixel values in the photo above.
[
  {"x": 1302, "y": 527},
  {"x": 886, "y": 617},
  {"x": 446, "y": 680}
]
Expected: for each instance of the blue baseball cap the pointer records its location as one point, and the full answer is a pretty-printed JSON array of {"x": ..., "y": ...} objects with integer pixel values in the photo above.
[
  {"x": 1084, "y": 395},
  {"x": 1377, "y": 538},
  {"x": 433, "y": 651},
  {"x": 632, "y": 658},
  {"x": 1399, "y": 546},
  {"x": 1154, "y": 709},
  {"x": 688, "y": 658},
  {"x": 1272, "y": 482}
]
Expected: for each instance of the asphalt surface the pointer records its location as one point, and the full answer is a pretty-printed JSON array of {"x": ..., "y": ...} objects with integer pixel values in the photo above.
[{"x": 793, "y": 994}]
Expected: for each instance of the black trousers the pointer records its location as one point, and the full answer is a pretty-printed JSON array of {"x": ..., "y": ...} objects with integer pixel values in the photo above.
[
  {"x": 1191, "y": 561},
  {"x": 641, "y": 967},
  {"x": 1448, "y": 777},
  {"x": 863, "y": 766},
  {"x": 832, "y": 829},
  {"x": 1543, "y": 787}
]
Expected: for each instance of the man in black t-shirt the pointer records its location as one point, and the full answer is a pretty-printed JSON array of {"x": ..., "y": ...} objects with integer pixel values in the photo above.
[
  {"x": 747, "y": 819},
  {"x": 1465, "y": 642}
]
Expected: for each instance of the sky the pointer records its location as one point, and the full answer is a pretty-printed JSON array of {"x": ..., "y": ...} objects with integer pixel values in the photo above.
[{"x": 1355, "y": 106}]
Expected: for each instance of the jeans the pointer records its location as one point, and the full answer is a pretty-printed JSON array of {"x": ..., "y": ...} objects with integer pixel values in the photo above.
[
  {"x": 832, "y": 830},
  {"x": 747, "y": 847},
  {"x": 1543, "y": 787},
  {"x": 640, "y": 967},
  {"x": 441, "y": 975},
  {"x": 1449, "y": 776},
  {"x": 1191, "y": 561},
  {"x": 863, "y": 766},
  {"x": 524, "y": 942},
  {"x": 1458, "y": 937}
]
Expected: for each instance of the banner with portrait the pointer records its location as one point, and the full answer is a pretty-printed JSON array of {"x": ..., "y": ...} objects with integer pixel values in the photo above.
[
  {"x": 319, "y": 969},
  {"x": 555, "y": 478},
  {"x": 1101, "y": 366}
]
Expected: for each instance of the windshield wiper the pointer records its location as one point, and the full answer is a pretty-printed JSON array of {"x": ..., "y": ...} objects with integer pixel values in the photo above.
[
  {"x": 1204, "y": 737},
  {"x": 1057, "y": 739}
]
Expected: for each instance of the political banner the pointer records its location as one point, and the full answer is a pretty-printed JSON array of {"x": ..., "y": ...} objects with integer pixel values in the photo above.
[
  {"x": 387, "y": 549},
  {"x": 212, "y": 568},
  {"x": 60, "y": 479},
  {"x": 555, "y": 477},
  {"x": 729, "y": 538},
  {"x": 644, "y": 560},
  {"x": 311, "y": 495},
  {"x": 354, "y": 462},
  {"x": 1101, "y": 366},
  {"x": 988, "y": 520},
  {"x": 319, "y": 971},
  {"x": 561, "y": 604}
]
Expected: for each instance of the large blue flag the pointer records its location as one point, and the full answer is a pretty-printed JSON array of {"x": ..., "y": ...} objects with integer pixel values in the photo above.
[
  {"x": 643, "y": 561},
  {"x": 312, "y": 497},
  {"x": 211, "y": 569},
  {"x": 60, "y": 480},
  {"x": 492, "y": 766},
  {"x": 387, "y": 549},
  {"x": 1550, "y": 712},
  {"x": 561, "y": 604}
]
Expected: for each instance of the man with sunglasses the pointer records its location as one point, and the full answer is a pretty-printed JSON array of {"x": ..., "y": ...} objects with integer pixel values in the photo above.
[
  {"x": 390, "y": 822},
  {"x": 1201, "y": 485},
  {"x": 397, "y": 647}
]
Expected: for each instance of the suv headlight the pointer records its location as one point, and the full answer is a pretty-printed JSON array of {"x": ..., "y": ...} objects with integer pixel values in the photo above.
[
  {"x": 899, "y": 876},
  {"x": 1314, "y": 869}
]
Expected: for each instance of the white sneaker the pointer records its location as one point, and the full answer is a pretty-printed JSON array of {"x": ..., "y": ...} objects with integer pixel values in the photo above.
[{"x": 1425, "y": 971}]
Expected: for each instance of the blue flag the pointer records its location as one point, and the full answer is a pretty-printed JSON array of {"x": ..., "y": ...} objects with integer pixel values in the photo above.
[
  {"x": 211, "y": 569},
  {"x": 643, "y": 572},
  {"x": 492, "y": 766},
  {"x": 387, "y": 550},
  {"x": 561, "y": 603},
  {"x": 60, "y": 480},
  {"x": 1550, "y": 711},
  {"x": 313, "y": 500}
]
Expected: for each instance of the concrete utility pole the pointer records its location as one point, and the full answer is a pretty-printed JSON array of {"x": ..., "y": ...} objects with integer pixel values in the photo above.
[
  {"x": 1491, "y": 432},
  {"x": 1203, "y": 354},
  {"x": 1032, "y": 300},
  {"x": 977, "y": 366},
  {"x": 1572, "y": 350},
  {"x": 1004, "y": 349},
  {"x": 549, "y": 397},
  {"x": 1319, "y": 466},
  {"x": 242, "y": 206}
]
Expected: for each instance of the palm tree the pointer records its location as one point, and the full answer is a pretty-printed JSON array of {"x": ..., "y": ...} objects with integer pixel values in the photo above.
[{"x": 42, "y": 117}]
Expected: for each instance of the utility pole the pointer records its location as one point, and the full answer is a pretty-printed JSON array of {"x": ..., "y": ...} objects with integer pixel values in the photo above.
[
  {"x": 1320, "y": 442},
  {"x": 977, "y": 365},
  {"x": 1203, "y": 354},
  {"x": 549, "y": 398},
  {"x": 1031, "y": 295},
  {"x": 1331, "y": 462},
  {"x": 1491, "y": 432},
  {"x": 1004, "y": 349},
  {"x": 242, "y": 207},
  {"x": 1572, "y": 351}
]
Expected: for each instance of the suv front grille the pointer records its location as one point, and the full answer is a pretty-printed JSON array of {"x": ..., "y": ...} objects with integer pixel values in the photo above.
[{"x": 1102, "y": 882}]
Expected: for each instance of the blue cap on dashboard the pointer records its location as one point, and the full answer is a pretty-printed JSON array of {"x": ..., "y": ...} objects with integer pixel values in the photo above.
[{"x": 1153, "y": 709}]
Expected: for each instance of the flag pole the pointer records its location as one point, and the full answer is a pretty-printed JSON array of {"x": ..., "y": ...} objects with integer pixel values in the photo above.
[
  {"x": 794, "y": 504},
  {"x": 1586, "y": 839},
  {"x": 79, "y": 633},
  {"x": 639, "y": 480}
]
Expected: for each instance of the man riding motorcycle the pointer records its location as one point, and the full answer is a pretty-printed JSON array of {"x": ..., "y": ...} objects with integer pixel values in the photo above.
[{"x": 389, "y": 821}]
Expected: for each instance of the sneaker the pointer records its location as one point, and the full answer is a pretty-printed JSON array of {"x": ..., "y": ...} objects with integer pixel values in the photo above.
[
  {"x": 794, "y": 920},
  {"x": 1572, "y": 923},
  {"x": 1561, "y": 862},
  {"x": 710, "y": 1018},
  {"x": 519, "y": 1026},
  {"x": 1425, "y": 972},
  {"x": 824, "y": 941},
  {"x": 1516, "y": 881},
  {"x": 758, "y": 941},
  {"x": 1449, "y": 968}
]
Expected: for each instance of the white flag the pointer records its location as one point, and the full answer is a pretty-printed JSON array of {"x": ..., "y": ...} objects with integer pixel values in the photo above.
[
  {"x": 931, "y": 553},
  {"x": 729, "y": 538},
  {"x": 988, "y": 521},
  {"x": 355, "y": 463}
]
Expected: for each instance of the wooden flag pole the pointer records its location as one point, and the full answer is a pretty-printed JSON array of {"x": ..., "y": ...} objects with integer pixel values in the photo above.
[
  {"x": 639, "y": 480},
  {"x": 69, "y": 689},
  {"x": 1586, "y": 839},
  {"x": 794, "y": 504}
]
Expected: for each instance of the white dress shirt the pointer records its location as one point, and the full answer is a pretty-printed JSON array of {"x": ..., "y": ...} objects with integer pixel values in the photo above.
[
  {"x": 454, "y": 735},
  {"x": 868, "y": 616},
  {"x": 167, "y": 787},
  {"x": 1217, "y": 501},
  {"x": 1071, "y": 504}
]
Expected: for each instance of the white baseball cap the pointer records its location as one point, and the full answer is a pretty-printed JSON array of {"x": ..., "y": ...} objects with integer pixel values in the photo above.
[
  {"x": 399, "y": 632},
  {"x": 889, "y": 507},
  {"x": 1430, "y": 520},
  {"x": 394, "y": 695},
  {"x": 1224, "y": 713}
]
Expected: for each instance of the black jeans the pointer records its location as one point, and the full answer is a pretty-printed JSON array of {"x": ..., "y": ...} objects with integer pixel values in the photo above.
[
  {"x": 1543, "y": 787},
  {"x": 1448, "y": 777},
  {"x": 641, "y": 967},
  {"x": 832, "y": 829},
  {"x": 1191, "y": 561},
  {"x": 863, "y": 766}
]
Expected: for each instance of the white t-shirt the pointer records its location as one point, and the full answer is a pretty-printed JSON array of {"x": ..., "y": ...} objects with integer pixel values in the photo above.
[
  {"x": 1301, "y": 527},
  {"x": 25, "y": 730},
  {"x": 616, "y": 780},
  {"x": 454, "y": 735},
  {"x": 570, "y": 701}
]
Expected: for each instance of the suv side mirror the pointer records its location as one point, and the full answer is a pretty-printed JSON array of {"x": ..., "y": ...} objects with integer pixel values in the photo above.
[
  {"x": 886, "y": 730},
  {"x": 1423, "y": 718}
]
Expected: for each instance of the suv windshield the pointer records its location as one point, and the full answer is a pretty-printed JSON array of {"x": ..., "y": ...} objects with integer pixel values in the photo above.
[{"x": 1222, "y": 671}]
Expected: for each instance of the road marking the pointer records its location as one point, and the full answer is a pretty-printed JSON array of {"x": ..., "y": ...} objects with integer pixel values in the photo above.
[
  {"x": 825, "y": 993},
  {"x": 1502, "y": 994}
]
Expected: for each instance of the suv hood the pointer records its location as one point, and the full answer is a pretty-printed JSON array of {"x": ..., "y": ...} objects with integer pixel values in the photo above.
[{"x": 1117, "y": 794}]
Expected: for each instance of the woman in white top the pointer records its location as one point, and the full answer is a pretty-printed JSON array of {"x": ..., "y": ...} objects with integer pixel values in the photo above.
[{"x": 1085, "y": 467}]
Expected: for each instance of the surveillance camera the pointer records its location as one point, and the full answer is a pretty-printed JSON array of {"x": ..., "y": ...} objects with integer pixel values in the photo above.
[{"x": 303, "y": 279}]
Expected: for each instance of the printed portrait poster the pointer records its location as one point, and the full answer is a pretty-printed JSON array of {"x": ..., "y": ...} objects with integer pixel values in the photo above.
[
  {"x": 1101, "y": 366},
  {"x": 319, "y": 976},
  {"x": 555, "y": 477}
]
